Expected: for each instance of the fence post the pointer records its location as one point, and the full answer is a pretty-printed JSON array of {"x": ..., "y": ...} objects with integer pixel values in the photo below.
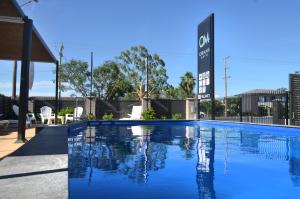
[
  {"x": 146, "y": 103},
  {"x": 241, "y": 109},
  {"x": 190, "y": 109},
  {"x": 91, "y": 103}
]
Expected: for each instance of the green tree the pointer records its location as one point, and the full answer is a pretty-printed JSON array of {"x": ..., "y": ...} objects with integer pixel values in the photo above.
[
  {"x": 74, "y": 76},
  {"x": 171, "y": 92},
  {"x": 205, "y": 106},
  {"x": 109, "y": 82},
  {"x": 133, "y": 64},
  {"x": 233, "y": 106},
  {"x": 187, "y": 84}
]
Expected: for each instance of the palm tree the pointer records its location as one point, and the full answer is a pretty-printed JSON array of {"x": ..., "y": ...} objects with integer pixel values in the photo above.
[{"x": 188, "y": 83}]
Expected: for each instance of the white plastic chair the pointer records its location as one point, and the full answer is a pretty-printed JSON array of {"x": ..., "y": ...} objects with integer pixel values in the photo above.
[
  {"x": 78, "y": 111},
  {"x": 202, "y": 114},
  {"x": 29, "y": 116},
  {"x": 46, "y": 114},
  {"x": 135, "y": 114}
]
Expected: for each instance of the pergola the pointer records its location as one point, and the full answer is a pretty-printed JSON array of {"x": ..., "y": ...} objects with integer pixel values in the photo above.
[{"x": 19, "y": 40}]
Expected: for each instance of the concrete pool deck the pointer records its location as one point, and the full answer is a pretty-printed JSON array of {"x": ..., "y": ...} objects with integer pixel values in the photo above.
[
  {"x": 39, "y": 169},
  {"x": 9, "y": 144}
]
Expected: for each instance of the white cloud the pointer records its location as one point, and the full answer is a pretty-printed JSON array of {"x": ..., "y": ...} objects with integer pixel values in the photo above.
[
  {"x": 36, "y": 85},
  {"x": 43, "y": 84}
]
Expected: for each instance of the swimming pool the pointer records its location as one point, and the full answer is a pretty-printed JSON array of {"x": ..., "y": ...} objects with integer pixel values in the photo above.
[{"x": 183, "y": 160}]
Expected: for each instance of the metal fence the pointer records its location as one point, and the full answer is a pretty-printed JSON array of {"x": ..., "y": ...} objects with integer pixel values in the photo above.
[
  {"x": 261, "y": 108},
  {"x": 36, "y": 103},
  {"x": 164, "y": 108},
  {"x": 270, "y": 108},
  {"x": 6, "y": 107}
]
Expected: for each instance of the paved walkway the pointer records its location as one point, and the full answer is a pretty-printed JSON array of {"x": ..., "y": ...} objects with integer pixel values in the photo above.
[
  {"x": 9, "y": 144},
  {"x": 39, "y": 169}
]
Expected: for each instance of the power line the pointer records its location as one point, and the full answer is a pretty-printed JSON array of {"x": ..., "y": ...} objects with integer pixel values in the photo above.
[
  {"x": 180, "y": 53},
  {"x": 29, "y": 2}
]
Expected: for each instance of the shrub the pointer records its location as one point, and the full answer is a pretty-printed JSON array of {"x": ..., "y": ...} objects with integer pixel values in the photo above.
[
  {"x": 66, "y": 110},
  {"x": 148, "y": 114},
  {"x": 90, "y": 116},
  {"x": 163, "y": 117},
  {"x": 177, "y": 116},
  {"x": 108, "y": 116}
]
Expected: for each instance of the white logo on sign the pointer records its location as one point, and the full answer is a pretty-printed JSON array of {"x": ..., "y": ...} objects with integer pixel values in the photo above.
[
  {"x": 203, "y": 40},
  {"x": 204, "y": 81}
]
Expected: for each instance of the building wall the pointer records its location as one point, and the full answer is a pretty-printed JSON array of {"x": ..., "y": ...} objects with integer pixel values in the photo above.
[
  {"x": 119, "y": 109},
  {"x": 294, "y": 80},
  {"x": 166, "y": 107},
  {"x": 250, "y": 104}
]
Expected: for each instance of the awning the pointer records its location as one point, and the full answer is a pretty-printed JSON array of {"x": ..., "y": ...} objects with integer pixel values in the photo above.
[
  {"x": 11, "y": 35},
  {"x": 19, "y": 40}
]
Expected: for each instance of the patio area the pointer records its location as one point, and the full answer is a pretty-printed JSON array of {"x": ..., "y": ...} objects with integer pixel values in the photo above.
[
  {"x": 37, "y": 169},
  {"x": 9, "y": 142}
]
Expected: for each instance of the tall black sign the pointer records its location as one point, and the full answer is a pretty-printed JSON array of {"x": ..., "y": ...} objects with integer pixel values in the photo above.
[{"x": 205, "y": 55}]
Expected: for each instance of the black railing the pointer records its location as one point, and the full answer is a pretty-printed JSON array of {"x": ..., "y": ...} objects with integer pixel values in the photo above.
[{"x": 271, "y": 108}]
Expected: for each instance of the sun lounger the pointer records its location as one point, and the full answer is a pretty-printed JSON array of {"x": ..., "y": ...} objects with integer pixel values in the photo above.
[
  {"x": 78, "y": 111},
  {"x": 136, "y": 113}
]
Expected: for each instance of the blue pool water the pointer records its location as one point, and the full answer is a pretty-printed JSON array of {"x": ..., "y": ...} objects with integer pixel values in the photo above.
[{"x": 185, "y": 161}]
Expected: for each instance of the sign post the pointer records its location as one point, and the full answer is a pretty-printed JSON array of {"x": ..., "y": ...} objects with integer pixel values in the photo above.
[{"x": 205, "y": 77}]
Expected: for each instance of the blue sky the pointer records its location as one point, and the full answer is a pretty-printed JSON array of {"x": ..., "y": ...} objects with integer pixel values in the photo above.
[{"x": 262, "y": 37}]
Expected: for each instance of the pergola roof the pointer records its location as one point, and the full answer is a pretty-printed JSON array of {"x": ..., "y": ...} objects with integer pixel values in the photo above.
[{"x": 11, "y": 35}]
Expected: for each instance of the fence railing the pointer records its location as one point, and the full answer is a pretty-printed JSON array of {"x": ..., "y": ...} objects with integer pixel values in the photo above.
[
  {"x": 239, "y": 109},
  {"x": 270, "y": 108}
]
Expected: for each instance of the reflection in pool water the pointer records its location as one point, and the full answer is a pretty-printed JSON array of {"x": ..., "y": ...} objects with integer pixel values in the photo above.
[{"x": 182, "y": 162}]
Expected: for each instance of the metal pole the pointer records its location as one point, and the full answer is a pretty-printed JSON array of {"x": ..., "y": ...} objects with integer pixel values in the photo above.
[
  {"x": 241, "y": 109},
  {"x": 91, "y": 83},
  {"x": 287, "y": 108},
  {"x": 225, "y": 84},
  {"x": 197, "y": 100},
  {"x": 24, "y": 83},
  {"x": 212, "y": 73},
  {"x": 147, "y": 80},
  {"x": 14, "y": 83},
  {"x": 56, "y": 91},
  {"x": 59, "y": 74}
]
